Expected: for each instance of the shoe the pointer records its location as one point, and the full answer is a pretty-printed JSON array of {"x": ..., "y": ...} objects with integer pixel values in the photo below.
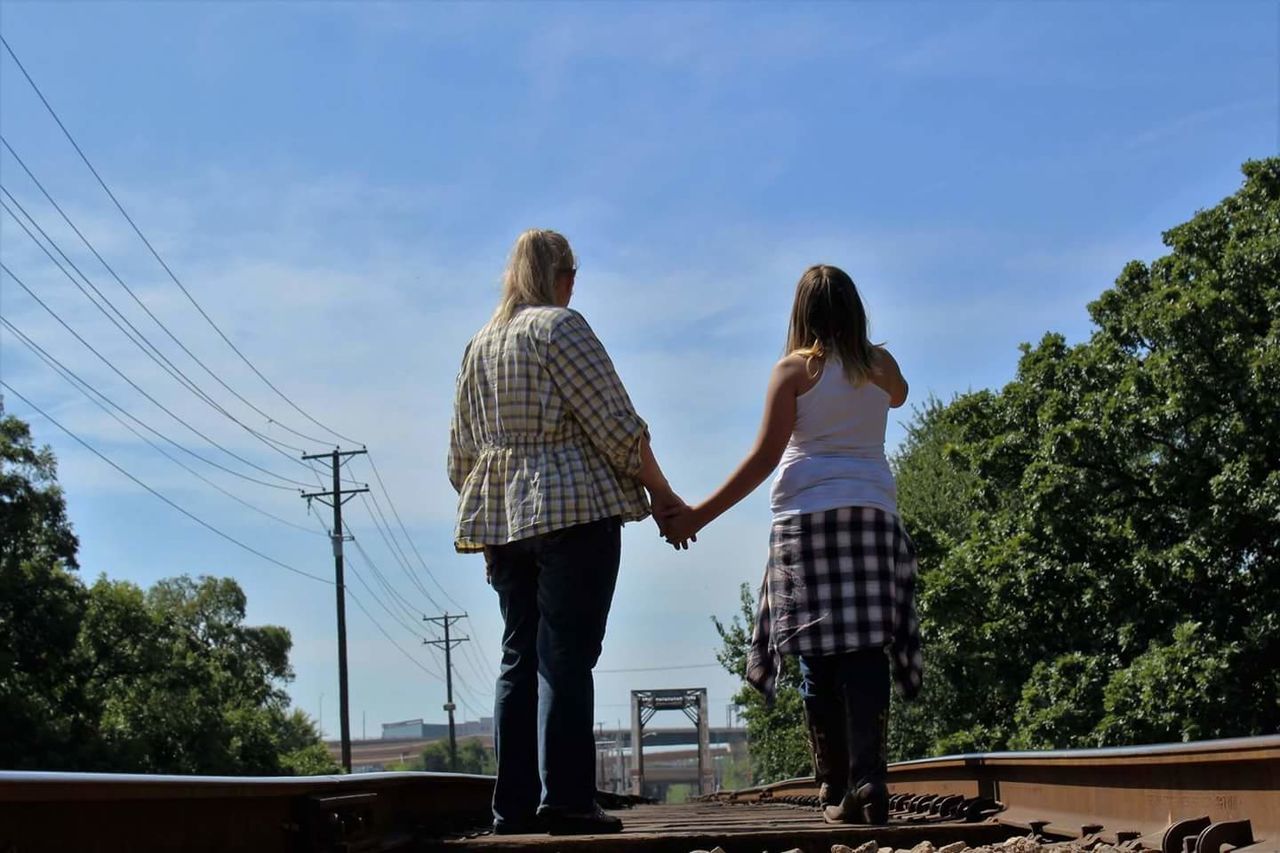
[
  {"x": 594, "y": 821},
  {"x": 524, "y": 826},
  {"x": 868, "y": 805}
]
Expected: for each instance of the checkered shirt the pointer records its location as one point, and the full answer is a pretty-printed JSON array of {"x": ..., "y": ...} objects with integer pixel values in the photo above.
[
  {"x": 837, "y": 581},
  {"x": 544, "y": 435}
]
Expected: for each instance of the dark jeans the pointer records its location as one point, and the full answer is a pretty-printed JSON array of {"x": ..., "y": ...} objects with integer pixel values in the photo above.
[
  {"x": 555, "y": 591},
  {"x": 852, "y": 689}
]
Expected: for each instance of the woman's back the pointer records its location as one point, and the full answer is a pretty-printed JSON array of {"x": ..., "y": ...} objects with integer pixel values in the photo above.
[
  {"x": 507, "y": 380},
  {"x": 544, "y": 435},
  {"x": 835, "y": 457}
]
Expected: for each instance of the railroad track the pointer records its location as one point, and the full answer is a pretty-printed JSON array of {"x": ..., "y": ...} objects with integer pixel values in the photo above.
[{"x": 1207, "y": 797}]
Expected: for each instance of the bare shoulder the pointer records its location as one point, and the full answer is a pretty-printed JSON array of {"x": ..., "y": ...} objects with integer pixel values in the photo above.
[
  {"x": 884, "y": 358},
  {"x": 797, "y": 372}
]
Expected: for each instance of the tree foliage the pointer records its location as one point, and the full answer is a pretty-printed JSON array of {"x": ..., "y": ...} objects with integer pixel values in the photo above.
[
  {"x": 473, "y": 757},
  {"x": 113, "y": 677},
  {"x": 1099, "y": 539},
  {"x": 779, "y": 741}
]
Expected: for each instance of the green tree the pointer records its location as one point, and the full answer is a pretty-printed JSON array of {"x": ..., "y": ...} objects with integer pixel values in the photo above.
[
  {"x": 112, "y": 677},
  {"x": 41, "y": 606},
  {"x": 301, "y": 750},
  {"x": 184, "y": 686},
  {"x": 1115, "y": 492},
  {"x": 779, "y": 738},
  {"x": 1099, "y": 540},
  {"x": 473, "y": 757}
]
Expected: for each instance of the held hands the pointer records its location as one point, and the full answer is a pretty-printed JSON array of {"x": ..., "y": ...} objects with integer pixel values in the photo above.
[
  {"x": 668, "y": 507},
  {"x": 681, "y": 524}
]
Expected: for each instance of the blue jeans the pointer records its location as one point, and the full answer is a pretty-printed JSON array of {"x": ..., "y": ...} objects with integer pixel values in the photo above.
[
  {"x": 851, "y": 689},
  {"x": 554, "y": 591}
]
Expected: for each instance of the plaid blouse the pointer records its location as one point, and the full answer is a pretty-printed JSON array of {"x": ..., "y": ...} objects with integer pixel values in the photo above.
[
  {"x": 837, "y": 581},
  {"x": 544, "y": 435}
]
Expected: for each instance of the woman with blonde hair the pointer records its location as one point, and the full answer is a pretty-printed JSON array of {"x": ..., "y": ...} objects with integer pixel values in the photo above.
[
  {"x": 549, "y": 459},
  {"x": 839, "y": 585}
]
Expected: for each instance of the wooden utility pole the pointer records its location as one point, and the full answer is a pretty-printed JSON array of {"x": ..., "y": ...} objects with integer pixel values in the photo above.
[
  {"x": 336, "y": 498},
  {"x": 448, "y": 643}
]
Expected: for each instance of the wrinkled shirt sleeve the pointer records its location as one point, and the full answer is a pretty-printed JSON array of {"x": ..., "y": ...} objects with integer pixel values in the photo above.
[
  {"x": 586, "y": 378},
  {"x": 462, "y": 449}
]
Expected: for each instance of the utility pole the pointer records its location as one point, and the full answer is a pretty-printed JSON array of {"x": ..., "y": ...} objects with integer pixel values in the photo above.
[
  {"x": 448, "y": 643},
  {"x": 336, "y": 498}
]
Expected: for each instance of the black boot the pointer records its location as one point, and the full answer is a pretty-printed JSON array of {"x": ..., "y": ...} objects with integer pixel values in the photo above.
[
  {"x": 827, "y": 744},
  {"x": 868, "y": 798},
  {"x": 866, "y": 701}
]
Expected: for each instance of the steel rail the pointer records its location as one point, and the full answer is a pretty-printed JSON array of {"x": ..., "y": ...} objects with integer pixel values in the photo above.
[
  {"x": 1116, "y": 795},
  {"x": 1211, "y": 792}
]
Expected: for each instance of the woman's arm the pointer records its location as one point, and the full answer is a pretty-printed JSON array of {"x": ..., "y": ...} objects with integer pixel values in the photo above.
[
  {"x": 594, "y": 394},
  {"x": 666, "y": 503},
  {"x": 888, "y": 376},
  {"x": 775, "y": 431},
  {"x": 462, "y": 452},
  {"x": 585, "y": 374}
]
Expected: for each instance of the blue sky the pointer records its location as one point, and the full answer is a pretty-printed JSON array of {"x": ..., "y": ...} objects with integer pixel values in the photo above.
[{"x": 338, "y": 186}]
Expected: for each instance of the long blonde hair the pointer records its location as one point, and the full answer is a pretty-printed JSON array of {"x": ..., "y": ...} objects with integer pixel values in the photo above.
[
  {"x": 828, "y": 320},
  {"x": 536, "y": 259}
]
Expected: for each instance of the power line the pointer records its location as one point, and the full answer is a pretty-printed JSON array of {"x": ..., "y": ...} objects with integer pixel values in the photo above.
[
  {"x": 384, "y": 633},
  {"x": 107, "y": 404},
  {"x": 142, "y": 304},
  {"x": 408, "y": 608},
  {"x": 660, "y": 668},
  {"x": 484, "y": 673},
  {"x": 483, "y": 650},
  {"x": 404, "y": 614},
  {"x": 139, "y": 389},
  {"x": 148, "y": 348},
  {"x": 394, "y": 545},
  {"x": 41, "y": 351},
  {"x": 383, "y": 487},
  {"x": 398, "y": 556},
  {"x": 87, "y": 446},
  {"x": 380, "y": 603},
  {"x": 377, "y": 624},
  {"x": 154, "y": 253},
  {"x": 405, "y": 605},
  {"x": 397, "y": 617}
]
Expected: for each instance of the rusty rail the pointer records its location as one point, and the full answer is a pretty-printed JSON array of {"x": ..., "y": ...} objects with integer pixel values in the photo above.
[
  {"x": 127, "y": 813},
  {"x": 1221, "y": 795},
  {"x": 1122, "y": 795}
]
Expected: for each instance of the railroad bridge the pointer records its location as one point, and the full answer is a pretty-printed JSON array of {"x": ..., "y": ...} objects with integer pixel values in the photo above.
[{"x": 671, "y": 756}]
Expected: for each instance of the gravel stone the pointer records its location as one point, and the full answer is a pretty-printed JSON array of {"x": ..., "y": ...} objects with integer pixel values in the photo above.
[
  {"x": 1019, "y": 844},
  {"x": 955, "y": 847}
]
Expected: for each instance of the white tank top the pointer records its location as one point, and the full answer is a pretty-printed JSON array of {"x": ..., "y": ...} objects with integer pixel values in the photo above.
[{"x": 836, "y": 454}]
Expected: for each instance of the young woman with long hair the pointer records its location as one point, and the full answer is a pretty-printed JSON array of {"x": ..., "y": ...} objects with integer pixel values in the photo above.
[{"x": 838, "y": 590}]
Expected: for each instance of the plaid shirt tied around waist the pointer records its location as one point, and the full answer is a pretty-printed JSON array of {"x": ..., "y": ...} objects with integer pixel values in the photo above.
[
  {"x": 543, "y": 435},
  {"x": 839, "y": 580}
]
